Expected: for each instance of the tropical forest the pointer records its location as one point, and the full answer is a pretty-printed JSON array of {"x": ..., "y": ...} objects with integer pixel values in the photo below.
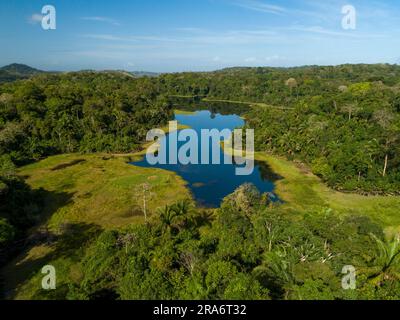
[{"x": 71, "y": 196}]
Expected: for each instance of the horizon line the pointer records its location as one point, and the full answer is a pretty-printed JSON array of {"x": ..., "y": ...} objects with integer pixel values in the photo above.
[{"x": 198, "y": 71}]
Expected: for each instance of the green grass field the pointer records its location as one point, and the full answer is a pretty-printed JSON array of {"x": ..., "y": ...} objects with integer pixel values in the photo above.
[
  {"x": 185, "y": 113},
  {"x": 89, "y": 193},
  {"x": 100, "y": 189}
]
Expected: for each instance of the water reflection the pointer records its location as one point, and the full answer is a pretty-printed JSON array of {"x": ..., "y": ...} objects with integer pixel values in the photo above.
[{"x": 210, "y": 183}]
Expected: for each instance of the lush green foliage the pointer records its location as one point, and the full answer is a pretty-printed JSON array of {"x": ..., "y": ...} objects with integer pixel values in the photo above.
[
  {"x": 271, "y": 85},
  {"x": 65, "y": 113},
  {"x": 7, "y": 232},
  {"x": 246, "y": 250},
  {"x": 19, "y": 207},
  {"x": 343, "y": 121},
  {"x": 360, "y": 153},
  {"x": 87, "y": 112}
]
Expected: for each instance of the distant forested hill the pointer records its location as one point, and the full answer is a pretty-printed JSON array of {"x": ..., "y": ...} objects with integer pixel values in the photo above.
[
  {"x": 16, "y": 71},
  {"x": 21, "y": 69}
]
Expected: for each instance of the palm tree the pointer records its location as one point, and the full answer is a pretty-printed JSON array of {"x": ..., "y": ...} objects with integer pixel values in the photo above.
[
  {"x": 166, "y": 215},
  {"x": 182, "y": 207},
  {"x": 183, "y": 210},
  {"x": 280, "y": 266},
  {"x": 204, "y": 218},
  {"x": 387, "y": 262},
  {"x": 175, "y": 216}
]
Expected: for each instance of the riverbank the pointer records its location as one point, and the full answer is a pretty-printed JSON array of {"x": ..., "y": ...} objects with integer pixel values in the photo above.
[{"x": 217, "y": 100}]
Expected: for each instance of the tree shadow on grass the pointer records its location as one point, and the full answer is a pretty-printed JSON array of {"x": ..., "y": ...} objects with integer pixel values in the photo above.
[
  {"x": 27, "y": 256},
  {"x": 67, "y": 246},
  {"x": 70, "y": 248},
  {"x": 69, "y": 164}
]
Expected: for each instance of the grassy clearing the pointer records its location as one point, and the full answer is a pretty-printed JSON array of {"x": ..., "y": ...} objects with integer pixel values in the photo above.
[
  {"x": 145, "y": 146},
  {"x": 100, "y": 189},
  {"x": 303, "y": 191},
  {"x": 184, "y": 113},
  {"x": 86, "y": 193},
  {"x": 251, "y": 104}
]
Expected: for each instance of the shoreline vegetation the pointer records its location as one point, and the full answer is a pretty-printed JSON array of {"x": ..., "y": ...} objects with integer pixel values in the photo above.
[
  {"x": 146, "y": 145},
  {"x": 254, "y": 106},
  {"x": 216, "y": 100},
  {"x": 301, "y": 190}
]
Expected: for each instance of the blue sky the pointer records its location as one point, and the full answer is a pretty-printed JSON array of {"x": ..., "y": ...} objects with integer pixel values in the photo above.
[{"x": 183, "y": 35}]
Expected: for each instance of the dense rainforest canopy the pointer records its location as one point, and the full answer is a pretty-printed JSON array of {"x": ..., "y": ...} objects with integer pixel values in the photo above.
[
  {"x": 78, "y": 112},
  {"x": 343, "y": 122}
]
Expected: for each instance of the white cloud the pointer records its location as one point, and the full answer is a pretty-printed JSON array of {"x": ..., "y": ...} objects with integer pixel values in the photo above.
[
  {"x": 35, "y": 18},
  {"x": 109, "y": 37},
  {"x": 260, "y": 6},
  {"x": 197, "y": 37},
  {"x": 326, "y": 32},
  {"x": 102, "y": 19},
  {"x": 191, "y": 30}
]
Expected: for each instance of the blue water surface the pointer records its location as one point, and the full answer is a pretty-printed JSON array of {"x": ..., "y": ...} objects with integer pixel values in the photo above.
[{"x": 210, "y": 183}]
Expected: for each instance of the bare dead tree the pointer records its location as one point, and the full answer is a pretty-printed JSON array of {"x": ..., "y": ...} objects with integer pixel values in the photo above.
[
  {"x": 126, "y": 241},
  {"x": 385, "y": 119},
  {"x": 146, "y": 193},
  {"x": 351, "y": 109},
  {"x": 188, "y": 260}
]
